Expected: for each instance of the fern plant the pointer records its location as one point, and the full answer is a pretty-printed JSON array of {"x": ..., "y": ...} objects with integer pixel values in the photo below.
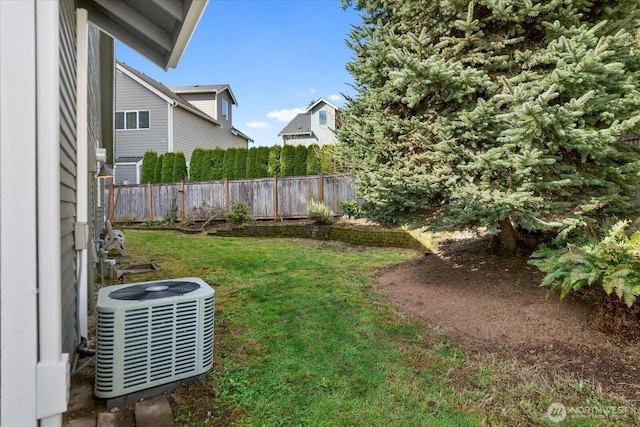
[{"x": 612, "y": 262}]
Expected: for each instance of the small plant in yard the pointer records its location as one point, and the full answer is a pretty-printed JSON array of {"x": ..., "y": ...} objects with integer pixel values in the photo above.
[
  {"x": 351, "y": 208},
  {"x": 319, "y": 212},
  {"x": 239, "y": 213}
]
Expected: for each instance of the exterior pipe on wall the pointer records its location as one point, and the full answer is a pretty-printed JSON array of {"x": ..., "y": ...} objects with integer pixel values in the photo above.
[{"x": 82, "y": 176}]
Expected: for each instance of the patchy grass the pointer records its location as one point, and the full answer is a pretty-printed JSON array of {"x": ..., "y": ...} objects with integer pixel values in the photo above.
[{"x": 302, "y": 338}]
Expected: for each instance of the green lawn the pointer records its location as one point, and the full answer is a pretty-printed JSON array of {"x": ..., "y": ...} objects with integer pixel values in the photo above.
[{"x": 303, "y": 338}]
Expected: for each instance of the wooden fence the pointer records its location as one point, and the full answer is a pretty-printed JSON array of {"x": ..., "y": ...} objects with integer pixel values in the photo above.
[{"x": 266, "y": 198}]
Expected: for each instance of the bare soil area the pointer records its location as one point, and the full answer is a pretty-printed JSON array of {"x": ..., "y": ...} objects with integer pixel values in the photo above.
[{"x": 491, "y": 303}]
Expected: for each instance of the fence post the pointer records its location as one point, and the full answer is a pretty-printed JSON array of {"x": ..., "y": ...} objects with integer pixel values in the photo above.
[
  {"x": 321, "y": 187},
  {"x": 150, "y": 200},
  {"x": 226, "y": 195},
  {"x": 182, "y": 213},
  {"x": 275, "y": 198}
]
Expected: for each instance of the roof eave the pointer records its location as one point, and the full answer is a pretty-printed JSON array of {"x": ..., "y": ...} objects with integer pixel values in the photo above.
[{"x": 189, "y": 25}]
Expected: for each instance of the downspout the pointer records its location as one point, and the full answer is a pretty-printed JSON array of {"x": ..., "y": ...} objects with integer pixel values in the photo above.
[
  {"x": 82, "y": 175},
  {"x": 170, "y": 107},
  {"x": 52, "y": 371}
]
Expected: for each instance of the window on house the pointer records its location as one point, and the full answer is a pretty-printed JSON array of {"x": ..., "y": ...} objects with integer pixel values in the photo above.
[
  {"x": 129, "y": 120},
  {"x": 225, "y": 109},
  {"x": 323, "y": 117}
]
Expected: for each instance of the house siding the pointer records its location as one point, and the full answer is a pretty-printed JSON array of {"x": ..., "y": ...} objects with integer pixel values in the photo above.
[
  {"x": 128, "y": 172},
  {"x": 68, "y": 168},
  {"x": 191, "y": 132},
  {"x": 324, "y": 133},
  {"x": 228, "y": 122},
  {"x": 204, "y": 101},
  {"x": 130, "y": 95},
  {"x": 300, "y": 140}
]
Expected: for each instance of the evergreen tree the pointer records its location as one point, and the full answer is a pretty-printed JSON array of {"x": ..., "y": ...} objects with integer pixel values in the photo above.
[
  {"x": 215, "y": 164},
  {"x": 262, "y": 162},
  {"x": 240, "y": 164},
  {"x": 313, "y": 160},
  {"x": 157, "y": 172},
  {"x": 251, "y": 163},
  {"x": 228, "y": 163},
  {"x": 287, "y": 160},
  {"x": 148, "y": 167},
  {"x": 273, "y": 168},
  {"x": 327, "y": 159},
  {"x": 167, "y": 167},
  {"x": 179, "y": 167},
  {"x": 300, "y": 161},
  {"x": 473, "y": 113},
  {"x": 197, "y": 165}
]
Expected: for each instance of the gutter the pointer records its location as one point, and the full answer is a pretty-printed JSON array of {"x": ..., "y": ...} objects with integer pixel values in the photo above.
[{"x": 52, "y": 370}]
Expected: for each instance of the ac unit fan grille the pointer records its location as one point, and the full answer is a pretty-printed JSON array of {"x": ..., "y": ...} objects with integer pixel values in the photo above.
[{"x": 153, "y": 343}]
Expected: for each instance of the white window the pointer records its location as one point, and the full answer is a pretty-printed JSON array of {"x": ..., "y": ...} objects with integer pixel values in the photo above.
[
  {"x": 130, "y": 120},
  {"x": 323, "y": 118},
  {"x": 225, "y": 109}
]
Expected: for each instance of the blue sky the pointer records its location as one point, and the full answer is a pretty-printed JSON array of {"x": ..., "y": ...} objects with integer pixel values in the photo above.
[{"x": 277, "y": 55}]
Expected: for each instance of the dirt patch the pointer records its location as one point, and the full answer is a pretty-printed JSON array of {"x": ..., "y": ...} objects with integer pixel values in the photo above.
[{"x": 492, "y": 303}]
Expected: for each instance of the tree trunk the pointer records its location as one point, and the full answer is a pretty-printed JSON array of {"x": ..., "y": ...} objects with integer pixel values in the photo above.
[{"x": 507, "y": 237}]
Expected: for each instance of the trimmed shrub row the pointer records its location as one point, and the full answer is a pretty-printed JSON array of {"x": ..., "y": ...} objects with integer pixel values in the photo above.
[
  {"x": 239, "y": 163},
  {"x": 168, "y": 167},
  {"x": 261, "y": 162}
]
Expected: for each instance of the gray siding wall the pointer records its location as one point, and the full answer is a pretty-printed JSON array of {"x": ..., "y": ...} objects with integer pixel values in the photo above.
[
  {"x": 126, "y": 171},
  {"x": 68, "y": 169},
  {"x": 130, "y": 95},
  {"x": 227, "y": 124},
  {"x": 204, "y": 101},
  {"x": 300, "y": 140},
  {"x": 94, "y": 131},
  {"x": 191, "y": 132},
  {"x": 324, "y": 133}
]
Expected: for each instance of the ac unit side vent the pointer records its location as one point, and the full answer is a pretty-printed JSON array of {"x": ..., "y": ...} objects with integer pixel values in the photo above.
[{"x": 153, "y": 341}]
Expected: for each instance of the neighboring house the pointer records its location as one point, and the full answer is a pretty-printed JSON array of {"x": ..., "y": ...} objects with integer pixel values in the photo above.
[
  {"x": 317, "y": 125},
  {"x": 56, "y": 114},
  {"x": 151, "y": 116}
]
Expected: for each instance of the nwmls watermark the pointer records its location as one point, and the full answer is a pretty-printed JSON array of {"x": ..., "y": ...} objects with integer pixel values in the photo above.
[{"x": 557, "y": 412}]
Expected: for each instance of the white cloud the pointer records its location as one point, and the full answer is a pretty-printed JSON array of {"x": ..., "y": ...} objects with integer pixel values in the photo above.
[
  {"x": 284, "y": 115},
  {"x": 336, "y": 97},
  {"x": 259, "y": 125}
]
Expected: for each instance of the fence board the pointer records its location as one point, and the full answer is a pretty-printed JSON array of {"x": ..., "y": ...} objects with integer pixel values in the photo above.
[{"x": 202, "y": 198}]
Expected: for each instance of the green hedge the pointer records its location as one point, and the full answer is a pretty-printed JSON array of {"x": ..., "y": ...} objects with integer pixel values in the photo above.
[
  {"x": 148, "y": 167},
  {"x": 273, "y": 163},
  {"x": 179, "y": 171},
  {"x": 216, "y": 164},
  {"x": 300, "y": 161},
  {"x": 287, "y": 160},
  {"x": 251, "y": 163},
  {"x": 228, "y": 162},
  {"x": 262, "y": 162},
  {"x": 313, "y": 160},
  {"x": 238, "y": 163},
  {"x": 198, "y": 165}
]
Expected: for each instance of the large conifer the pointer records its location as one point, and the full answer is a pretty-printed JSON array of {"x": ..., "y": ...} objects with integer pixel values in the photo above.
[{"x": 475, "y": 113}]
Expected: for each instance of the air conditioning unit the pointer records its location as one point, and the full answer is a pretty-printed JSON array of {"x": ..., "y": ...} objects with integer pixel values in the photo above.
[{"x": 152, "y": 333}]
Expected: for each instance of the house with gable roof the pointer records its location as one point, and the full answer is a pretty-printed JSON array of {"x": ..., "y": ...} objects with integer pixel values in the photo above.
[
  {"x": 317, "y": 125},
  {"x": 152, "y": 116}
]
